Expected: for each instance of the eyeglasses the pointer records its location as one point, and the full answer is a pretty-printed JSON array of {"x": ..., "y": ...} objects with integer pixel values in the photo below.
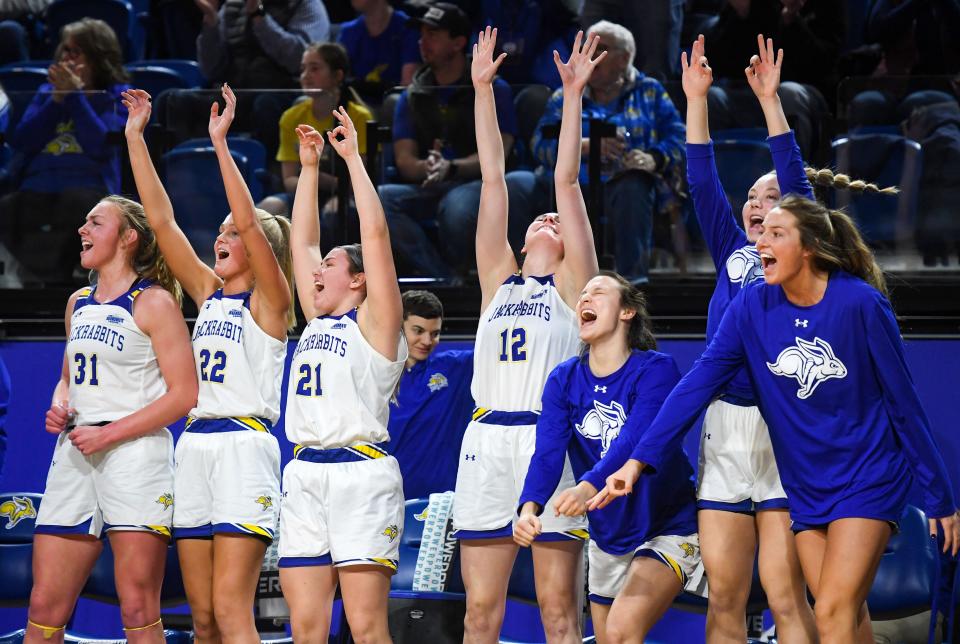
[{"x": 69, "y": 51}]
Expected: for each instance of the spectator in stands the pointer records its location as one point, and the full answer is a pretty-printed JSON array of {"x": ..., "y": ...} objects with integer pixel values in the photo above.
[
  {"x": 433, "y": 403},
  {"x": 69, "y": 161},
  {"x": 323, "y": 71},
  {"x": 436, "y": 153},
  {"x": 383, "y": 52},
  {"x": 643, "y": 165},
  {"x": 655, "y": 25},
  {"x": 529, "y": 31},
  {"x": 249, "y": 44},
  {"x": 258, "y": 43},
  {"x": 813, "y": 27}
]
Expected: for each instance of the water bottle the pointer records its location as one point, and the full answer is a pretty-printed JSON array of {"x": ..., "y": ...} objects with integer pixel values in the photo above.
[{"x": 611, "y": 166}]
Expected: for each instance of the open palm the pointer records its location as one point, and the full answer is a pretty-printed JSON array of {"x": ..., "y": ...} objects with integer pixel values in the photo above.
[
  {"x": 763, "y": 73},
  {"x": 484, "y": 68},
  {"x": 697, "y": 75},
  {"x": 138, "y": 107},
  {"x": 220, "y": 123},
  {"x": 577, "y": 70}
]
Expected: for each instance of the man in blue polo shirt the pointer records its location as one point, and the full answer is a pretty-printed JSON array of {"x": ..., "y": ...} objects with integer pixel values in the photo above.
[{"x": 433, "y": 404}]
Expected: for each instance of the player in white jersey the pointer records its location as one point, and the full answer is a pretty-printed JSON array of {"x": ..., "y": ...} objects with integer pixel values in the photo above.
[
  {"x": 342, "y": 512},
  {"x": 527, "y": 327},
  {"x": 127, "y": 374},
  {"x": 227, "y": 485}
]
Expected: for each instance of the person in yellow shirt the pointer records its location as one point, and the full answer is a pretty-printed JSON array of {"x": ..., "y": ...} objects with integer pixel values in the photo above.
[{"x": 323, "y": 70}]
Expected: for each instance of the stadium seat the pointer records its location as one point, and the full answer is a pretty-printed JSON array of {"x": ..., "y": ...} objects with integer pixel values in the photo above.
[
  {"x": 908, "y": 577},
  {"x": 154, "y": 78},
  {"x": 192, "y": 176},
  {"x": 119, "y": 14},
  {"x": 887, "y": 160},
  {"x": 189, "y": 70},
  {"x": 256, "y": 175},
  {"x": 529, "y": 104},
  {"x": 20, "y": 77},
  {"x": 740, "y": 163},
  {"x": 18, "y": 515}
]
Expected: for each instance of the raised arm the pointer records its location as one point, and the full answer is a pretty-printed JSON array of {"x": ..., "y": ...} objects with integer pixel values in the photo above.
[
  {"x": 763, "y": 76},
  {"x": 579, "y": 253},
  {"x": 720, "y": 229},
  {"x": 197, "y": 279},
  {"x": 495, "y": 259},
  {"x": 158, "y": 314},
  {"x": 305, "y": 230},
  {"x": 381, "y": 314},
  {"x": 271, "y": 294}
]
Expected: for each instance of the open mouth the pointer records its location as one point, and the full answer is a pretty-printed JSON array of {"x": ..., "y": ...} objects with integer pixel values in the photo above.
[
  {"x": 767, "y": 260},
  {"x": 223, "y": 253},
  {"x": 85, "y": 245},
  {"x": 588, "y": 315},
  {"x": 756, "y": 220},
  {"x": 318, "y": 286}
]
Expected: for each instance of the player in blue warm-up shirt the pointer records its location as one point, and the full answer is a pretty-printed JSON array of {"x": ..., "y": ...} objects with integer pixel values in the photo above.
[
  {"x": 645, "y": 541},
  {"x": 739, "y": 495},
  {"x": 822, "y": 347},
  {"x": 433, "y": 403}
]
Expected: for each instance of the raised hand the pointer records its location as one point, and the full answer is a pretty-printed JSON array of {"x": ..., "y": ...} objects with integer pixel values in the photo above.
[
  {"x": 484, "y": 68},
  {"x": 763, "y": 73},
  {"x": 220, "y": 123},
  {"x": 138, "y": 107},
  {"x": 311, "y": 145},
  {"x": 696, "y": 76},
  {"x": 346, "y": 147},
  {"x": 577, "y": 70}
]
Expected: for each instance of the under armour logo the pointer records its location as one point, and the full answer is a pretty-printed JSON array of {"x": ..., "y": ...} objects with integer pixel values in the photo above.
[
  {"x": 708, "y": 436},
  {"x": 599, "y": 388},
  {"x": 469, "y": 457},
  {"x": 799, "y": 322}
]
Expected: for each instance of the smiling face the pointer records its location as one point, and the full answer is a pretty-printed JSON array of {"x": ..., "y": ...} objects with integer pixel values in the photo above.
[
  {"x": 762, "y": 196},
  {"x": 103, "y": 236},
  {"x": 423, "y": 335},
  {"x": 781, "y": 251},
  {"x": 544, "y": 232},
  {"x": 316, "y": 74},
  {"x": 229, "y": 251},
  {"x": 334, "y": 285},
  {"x": 600, "y": 312}
]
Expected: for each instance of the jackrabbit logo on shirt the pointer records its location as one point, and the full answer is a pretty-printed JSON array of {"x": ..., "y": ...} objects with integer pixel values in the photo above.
[
  {"x": 744, "y": 266},
  {"x": 810, "y": 363},
  {"x": 603, "y": 423}
]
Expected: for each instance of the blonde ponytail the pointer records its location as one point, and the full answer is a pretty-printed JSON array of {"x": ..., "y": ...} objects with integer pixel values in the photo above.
[
  {"x": 147, "y": 260},
  {"x": 276, "y": 228},
  {"x": 827, "y": 178}
]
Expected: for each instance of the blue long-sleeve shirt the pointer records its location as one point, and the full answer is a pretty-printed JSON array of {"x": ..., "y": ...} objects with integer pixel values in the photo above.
[
  {"x": 735, "y": 258},
  {"x": 848, "y": 430},
  {"x": 586, "y": 416},
  {"x": 426, "y": 425},
  {"x": 66, "y": 143}
]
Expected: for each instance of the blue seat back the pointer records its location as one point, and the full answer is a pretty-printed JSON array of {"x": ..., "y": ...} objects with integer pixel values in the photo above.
[
  {"x": 189, "y": 70},
  {"x": 192, "y": 177},
  {"x": 18, "y": 515},
  {"x": 887, "y": 160},
  {"x": 118, "y": 14},
  {"x": 22, "y": 78},
  {"x": 905, "y": 579},
  {"x": 252, "y": 149},
  {"x": 740, "y": 162},
  {"x": 155, "y": 78}
]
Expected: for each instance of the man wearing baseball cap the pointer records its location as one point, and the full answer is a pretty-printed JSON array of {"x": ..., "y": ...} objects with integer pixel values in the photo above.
[{"x": 435, "y": 149}]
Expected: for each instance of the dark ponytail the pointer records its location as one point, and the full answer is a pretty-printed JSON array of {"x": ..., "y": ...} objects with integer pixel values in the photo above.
[{"x": 640, "y": 334}]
